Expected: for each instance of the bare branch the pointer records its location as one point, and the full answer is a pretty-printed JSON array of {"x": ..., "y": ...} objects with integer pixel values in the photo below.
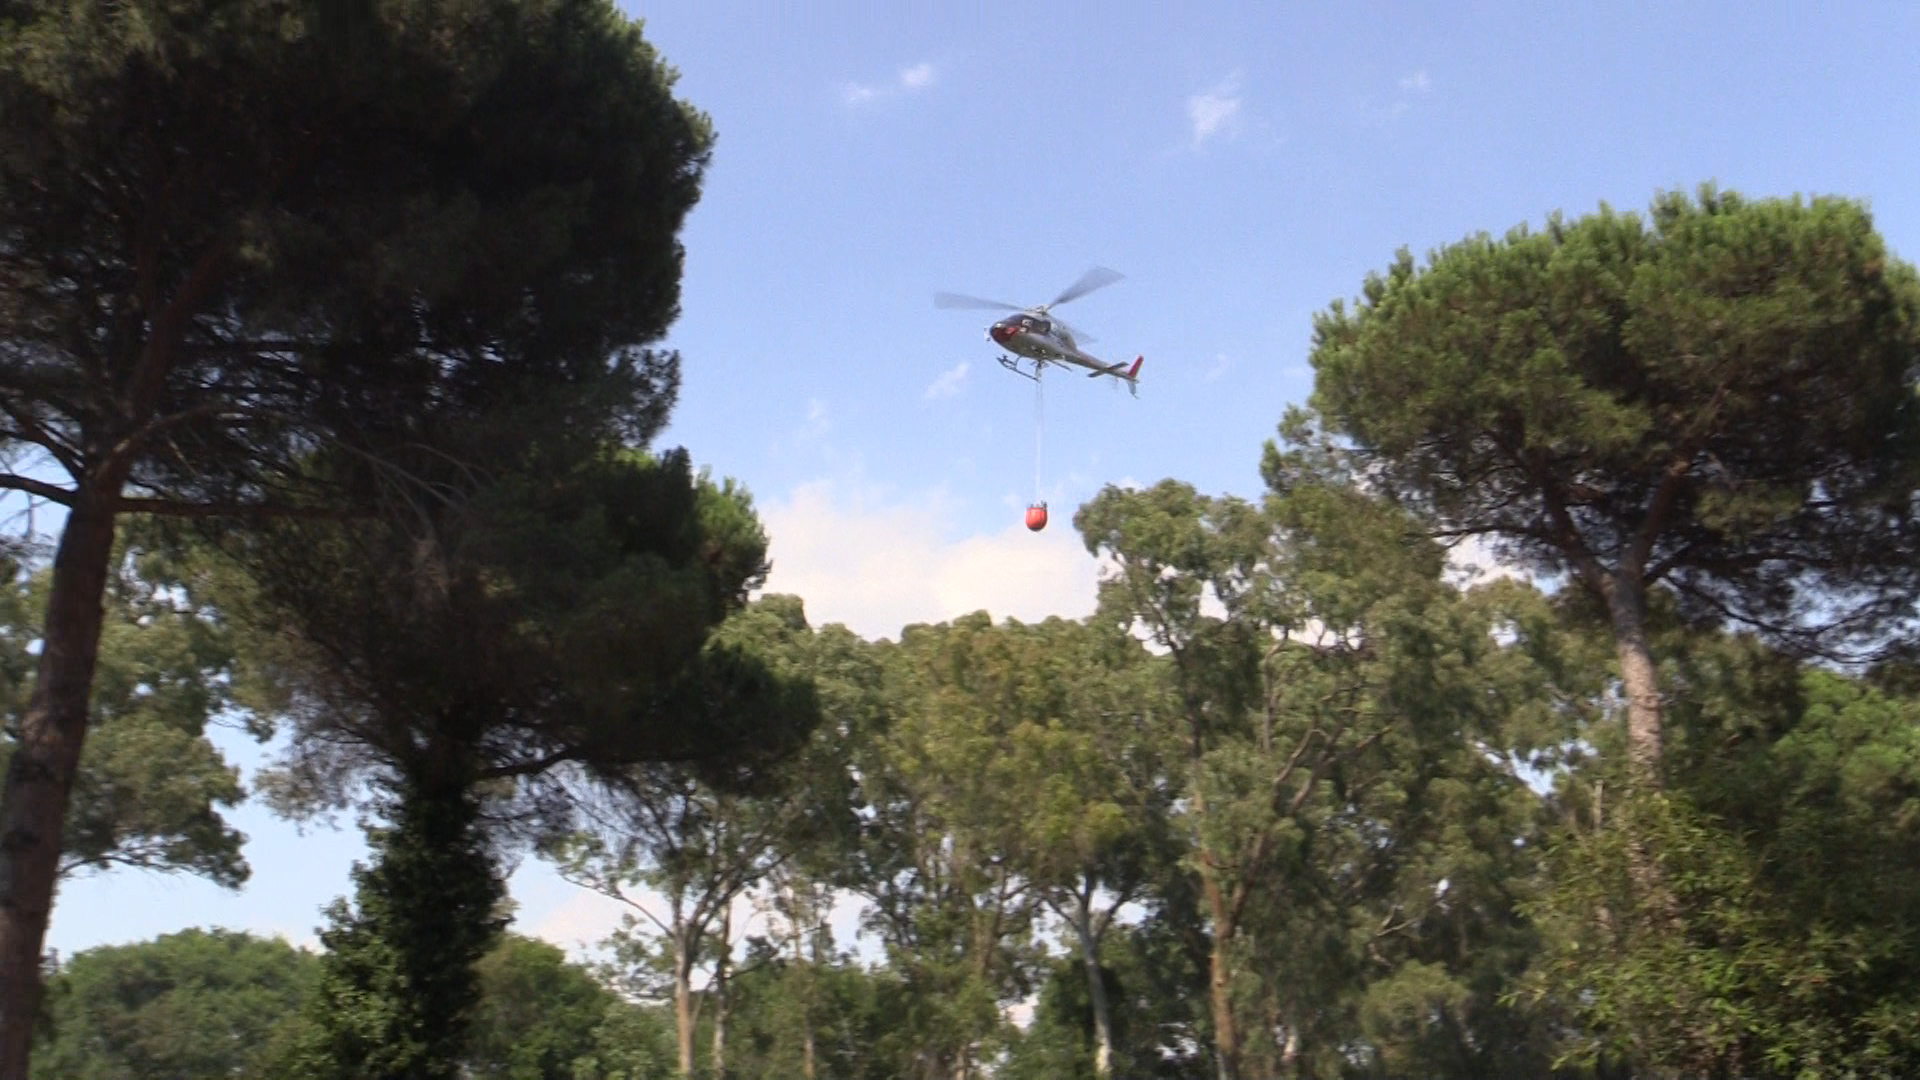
[
  {"x": 50, "y": 492},
  {"x": 157, "y": 359},
  {"x": 174, "y": 508},
  {"x": 138, "y": 437},
  {"x": 32, "y": 431},
  {"x": 531, "y": 766}
]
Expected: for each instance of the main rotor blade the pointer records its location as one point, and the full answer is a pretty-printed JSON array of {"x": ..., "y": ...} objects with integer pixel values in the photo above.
[
  {"x": 1097, "y": 278},
  {"x": 1080, "y": 337},
  {"x": 959, "y": 300}
]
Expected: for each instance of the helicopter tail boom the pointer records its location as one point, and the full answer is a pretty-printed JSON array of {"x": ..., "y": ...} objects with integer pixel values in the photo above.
[{"x": 1118, "y": 371}]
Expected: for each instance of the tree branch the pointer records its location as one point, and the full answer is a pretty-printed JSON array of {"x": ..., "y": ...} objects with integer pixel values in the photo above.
[
  {"x": 47, "y": 491},
  {"x": 157, "y": 358},
  {"x": 611, "y": 891},
  {"x": 32, "y": 431},
  {"x": 1565, "y": 535},
  {"x": 531, "y": 767},
  {"x": 174, "y": 508},
  {"x": 1664, "y": 496},
  {"x": 137, "y": 438}
]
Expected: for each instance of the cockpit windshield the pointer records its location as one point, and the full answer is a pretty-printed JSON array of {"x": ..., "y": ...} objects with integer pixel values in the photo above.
[{"x": 1024, "y": 324}]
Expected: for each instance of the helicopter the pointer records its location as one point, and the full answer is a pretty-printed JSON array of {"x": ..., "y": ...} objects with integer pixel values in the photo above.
[{"x": 1036, "y": 335}]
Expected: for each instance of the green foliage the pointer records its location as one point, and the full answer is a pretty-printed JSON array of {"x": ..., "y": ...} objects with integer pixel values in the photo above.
[
  {"x": 1057, "y": 1041},
  {"x": 1357, "y": 835},
  {"x": 187, "y": 1005},
  {"x": 1716, "y": 396},
  {"x": 217, "y": 1003},
  {"x": 702, "y": 836},
  {"x": 857, "y": 1019},
  {"x": 534, "y": 620},
  {"x": 1018, "y": 769},
  {"x": 555, "y": 610},
  {"x": 1045, "y": 750},
  {"x": 323, "y": 217},
  {"x": 1787, "y": 947},
  {"x": 253, "y": 252},
  {"x": 1162, "y": 1023},
  {"x": 537, "y": 1015},
  {"x": 151, "y": 787},
  {"x": 1716, "y": 399},
  {"x": 398, "y": 987},
  {"x": 630, "y": 1043}
]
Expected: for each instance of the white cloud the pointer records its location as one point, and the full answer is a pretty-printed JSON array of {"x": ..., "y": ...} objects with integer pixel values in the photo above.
[
  {"x": 878, "y": 566},
  {"x": 948, "y": 384},
  {"x": 1222, "y": 363},
  {"x": 1215, "y": 112},
  {"x": 581, "y": 922},
  {"x": 1414, "y": 84},
  {"x": 303, "y": 939},
  {"x": 917, "y": 77},
  {"x": 909, "y": 80},
  {"x": 818, "y": 422}
]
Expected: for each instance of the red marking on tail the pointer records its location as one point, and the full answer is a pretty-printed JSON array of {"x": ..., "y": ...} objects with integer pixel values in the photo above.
[{"x": 1135, "y": 369}]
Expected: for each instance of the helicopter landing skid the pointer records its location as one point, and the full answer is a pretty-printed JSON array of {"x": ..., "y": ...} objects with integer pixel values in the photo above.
[{"x": 1013, "y": 364}]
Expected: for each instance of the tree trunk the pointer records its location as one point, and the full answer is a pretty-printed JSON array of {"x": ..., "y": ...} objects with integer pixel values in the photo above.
[
  {"x": 725, "y": 953},
  {"x": 40, "y": 776},
  {"x": 1627, "y": 605},
  {"x": 683, "y": 998},
  {"x": 801, "y": 971},
  {"x": 1096, "y": 989},
  {"x": 1226, "y": 1037}
]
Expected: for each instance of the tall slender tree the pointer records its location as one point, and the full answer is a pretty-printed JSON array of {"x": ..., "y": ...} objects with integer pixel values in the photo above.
[
  {"x": 234, "y": 231},
  {"x": 700, "y": 840},
  {"x": 1079, "y": 791},
  {"x": 699, "y": 850},
  {"x": 1335, "y": 698},
  {"x": 1170, "y": 549},
  {"x": 948, "y": 856},
  {"x": 468, "y": 654}
]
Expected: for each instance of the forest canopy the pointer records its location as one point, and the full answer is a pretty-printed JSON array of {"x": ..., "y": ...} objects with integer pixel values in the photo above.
[{"x": 334, "y": 332}]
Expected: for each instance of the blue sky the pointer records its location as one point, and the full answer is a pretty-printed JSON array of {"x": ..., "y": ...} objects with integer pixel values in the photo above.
[{"x": 1242, "y": 164}]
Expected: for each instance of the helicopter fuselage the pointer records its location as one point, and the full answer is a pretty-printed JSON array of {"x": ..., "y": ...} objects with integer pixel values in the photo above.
[
  {"x": 1035, "y": 337},
  {"x": 1044, "y": 341}
]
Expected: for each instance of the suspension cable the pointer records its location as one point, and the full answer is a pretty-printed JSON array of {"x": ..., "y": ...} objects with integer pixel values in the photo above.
[{"x": 1039, "y": 432}]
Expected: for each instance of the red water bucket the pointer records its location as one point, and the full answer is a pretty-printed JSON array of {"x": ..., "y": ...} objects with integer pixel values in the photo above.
[{"x": 1037, "y": 516}]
